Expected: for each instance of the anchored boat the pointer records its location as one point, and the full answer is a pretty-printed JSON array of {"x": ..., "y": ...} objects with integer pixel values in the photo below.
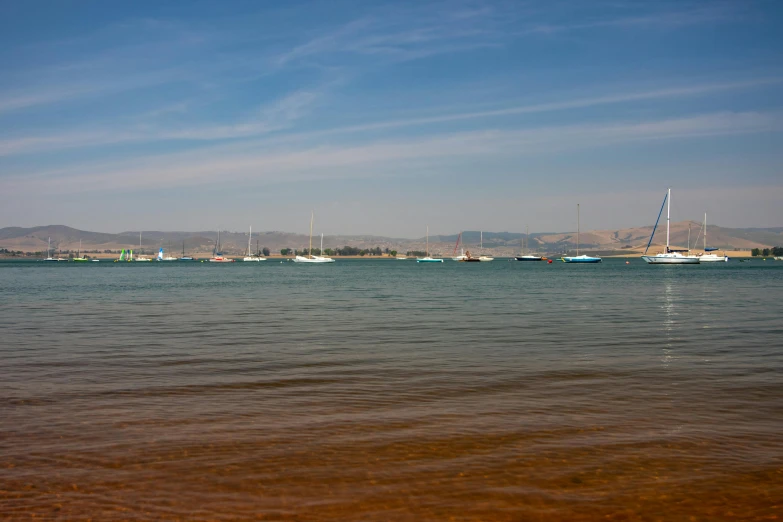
[{"x": 669, "y": 256}]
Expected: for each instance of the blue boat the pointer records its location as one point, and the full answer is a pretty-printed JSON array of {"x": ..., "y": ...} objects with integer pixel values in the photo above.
[{"x": 577, "y": 258}]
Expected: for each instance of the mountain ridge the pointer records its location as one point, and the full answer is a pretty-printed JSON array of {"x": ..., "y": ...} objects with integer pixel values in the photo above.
[{"x": 34, "y": 239}]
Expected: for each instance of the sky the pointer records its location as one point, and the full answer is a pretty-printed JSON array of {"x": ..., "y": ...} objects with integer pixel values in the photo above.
[{"x": 386, "y": 117}]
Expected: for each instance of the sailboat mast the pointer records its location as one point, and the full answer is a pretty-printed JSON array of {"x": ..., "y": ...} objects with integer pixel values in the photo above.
[
  {"x": 481, "y": 242},
  {"x": 668, "y": 214},
  {"x": 322, "y": 244},
  {"x": 249, "y": 238},
  {"x": 577, "y": 230},
  {"x": 310, "y": 250},
  {"x": 705, "y": 232},
  {"x": 49, "y": 248},
  {"x": 427, "y": 251},
  {"x": 527, "y": 238},
  {"x": 689, "y": 238}
]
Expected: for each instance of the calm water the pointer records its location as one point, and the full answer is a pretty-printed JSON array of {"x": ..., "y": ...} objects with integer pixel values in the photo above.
[{"x": 387, "y": 390}]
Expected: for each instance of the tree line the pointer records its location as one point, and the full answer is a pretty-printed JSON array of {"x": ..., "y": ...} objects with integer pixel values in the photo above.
[{"x": 766, "y": 252}]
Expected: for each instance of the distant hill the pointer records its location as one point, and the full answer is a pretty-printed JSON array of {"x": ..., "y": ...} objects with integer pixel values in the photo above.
[{"x": 34, "y": 239}]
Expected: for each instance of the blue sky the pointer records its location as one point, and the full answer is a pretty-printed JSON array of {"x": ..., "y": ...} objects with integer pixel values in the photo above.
[{"x": 385, "y": 117}]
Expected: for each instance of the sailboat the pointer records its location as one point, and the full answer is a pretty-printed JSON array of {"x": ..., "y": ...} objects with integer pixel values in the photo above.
[
  {"x": 310, "y": 258},
  {"x": 669, "y": 256},
  {"x": 79, "y": 258},
  {"x": 482, "y": 257},
  {"x": 583, "y": 258},
  {"x": 184, "y": 257},
  {"x": 250, "y": 256},
  {"x": 710, "y": 258},
  {"x": 162, "y": 257},
  {"x": 121, "y": 258},
  {"x": 49, "y": 252},
  {"x": 525, "y": 256},
  {"x": 217, "y": 255},
  {"x": 461, "y": 256},
  {"x": 140, "y": 258},
  {"x": 427, "y": 258}
]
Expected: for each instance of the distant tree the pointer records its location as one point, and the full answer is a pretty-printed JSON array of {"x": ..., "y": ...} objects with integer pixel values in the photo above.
[
  {"x": 393, "y": 253},
  {"x": 363, "y": 252},
  {"x": 328, "y": 251},
  {"x": 285, "y": 251},
  {"x": 755, "y": 252},
  {"x": 265, "y": 251},
  {"x": 777, "y": 251},
  {"x": 765, "y": 252},
  {"x": 416, "y": 253}
]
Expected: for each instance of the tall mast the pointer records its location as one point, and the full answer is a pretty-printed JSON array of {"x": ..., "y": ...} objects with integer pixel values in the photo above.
[
  {"x": 249, "y": 238},
  {"x": 668, "y": 213},
  {"x": 527, "y": 239},
  {"x": 577, "y": 230},
  {"x": 427, "y": 251},
  {"x": 310, "y": 250},
  {"x": 689, "y": 238},
  {"x": 705, "y": 232},
  {"x": 49, "y": 248},
  {"x": 139, "y": 240},
  {"x": 481, "y": 243},
  {"x": 322, "y": 243}
]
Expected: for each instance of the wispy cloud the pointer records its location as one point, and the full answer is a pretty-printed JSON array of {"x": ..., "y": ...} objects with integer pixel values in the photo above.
[
  {"x": 259, "y": 163},
  {"x": 283, "y": 113}
]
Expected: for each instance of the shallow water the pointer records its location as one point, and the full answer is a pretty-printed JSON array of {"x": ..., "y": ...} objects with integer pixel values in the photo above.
[{"x": 390, "y": 390}]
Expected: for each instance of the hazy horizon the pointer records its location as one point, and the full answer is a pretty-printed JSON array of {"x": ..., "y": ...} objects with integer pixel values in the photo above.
[{"x": 387, "y": 118}]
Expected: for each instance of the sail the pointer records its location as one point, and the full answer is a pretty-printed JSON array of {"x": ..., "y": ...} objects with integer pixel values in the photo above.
[
  {"x": 130, "y": 257},
  {"x": 160, "y": 254},
  {"x": 122, "y": 255}
]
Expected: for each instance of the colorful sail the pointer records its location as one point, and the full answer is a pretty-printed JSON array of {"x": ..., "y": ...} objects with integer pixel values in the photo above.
[
  {"x": 160, "y": 255},
  {"x": 122, "y": 255}
]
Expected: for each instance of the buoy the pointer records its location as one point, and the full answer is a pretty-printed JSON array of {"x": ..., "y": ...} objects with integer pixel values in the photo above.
[
  {"x": 549, "y": 261},
  {"x": 627, "y": 262}
]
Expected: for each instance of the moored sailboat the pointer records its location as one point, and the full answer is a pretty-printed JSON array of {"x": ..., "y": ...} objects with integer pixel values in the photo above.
[
  {"x": 310, "y": 258},
  {"x": 525, "y": 255},
  {"x": 250, "y": 256},
  {"x": 79, "y": 258},
  {"x": 217, "y": 255},
  {"x": 669, "y": 256},
  {"x": 577, "y": 258},
  {"x": 427, "y": 258},
  {"x": 708, "y": 256},
  {"x": 482, "y": 257}
]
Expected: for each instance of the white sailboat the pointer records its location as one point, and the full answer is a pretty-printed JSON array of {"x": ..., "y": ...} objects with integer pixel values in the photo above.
[
  {"x": 310, "y": 258},
  {"x": 482, "y": 257},
  {"x": 141, "y": 258},
  {"x": 525, "y": 255},
  {"x": 427, "y": 258},
  {"x": 710, "y": 258},
  {"x": 49, "y": 252},
  {"x": 250, "y": 256},
  {"x": 577, "y": 258},
  {"x": 669, "y": 256}
]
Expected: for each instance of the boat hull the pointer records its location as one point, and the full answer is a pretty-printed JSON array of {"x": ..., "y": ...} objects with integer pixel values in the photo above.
[
  {"x": 254, "y": 259},
  {"x": 529, "y": 258},
  {"x": 712, "y": 258},
  {"x": 581, "y": 259},
  {"x": 429, "y": 260},
  {"x": 313, "y": 260},
  {"x": 664, "y": 259}
]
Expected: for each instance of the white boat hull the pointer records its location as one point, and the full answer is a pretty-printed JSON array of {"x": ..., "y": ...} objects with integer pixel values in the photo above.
[
  {"x": 254, "y": 259},
  {"x": 313, "y": 259},
  {"x": 671, "y": 259},
  {"x": 712, "y": 258}
]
